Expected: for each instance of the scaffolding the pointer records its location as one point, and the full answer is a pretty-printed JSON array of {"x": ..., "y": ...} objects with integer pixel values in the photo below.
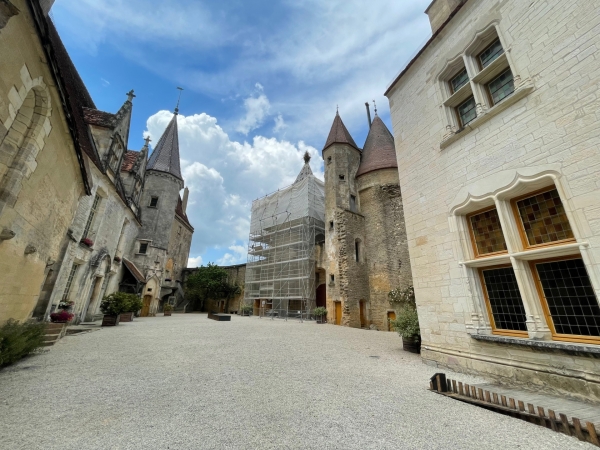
[{"x": 284, "y": 226}]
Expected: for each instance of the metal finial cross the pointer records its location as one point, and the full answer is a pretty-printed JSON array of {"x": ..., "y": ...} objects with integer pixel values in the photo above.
[
  {"x": 375, "y": 107},
  {"x": 130, "y": 95},
  {"x": 178, "y": 99},
  {"x": 147, "y": 140}
]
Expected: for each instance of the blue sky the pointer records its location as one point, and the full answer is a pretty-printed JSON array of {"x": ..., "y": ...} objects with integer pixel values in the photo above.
[{"x": 262, "y": 80}]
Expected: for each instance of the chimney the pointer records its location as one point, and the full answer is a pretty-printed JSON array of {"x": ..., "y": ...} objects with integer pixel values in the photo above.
[
  {"x": 440, "y": 10},
  {"x": 368, "y": 113},
  {"x": 46, "y": 6},
  {"x": 186, "y": 193}
]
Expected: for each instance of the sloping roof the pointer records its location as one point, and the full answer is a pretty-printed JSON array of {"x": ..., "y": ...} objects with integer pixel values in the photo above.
[
  {"x": 165, "y": 157},
  {"x": 99, "y": 118},
  {"x": 379, "y": 151},
  {"x": 77, "y": 95},
  {"x": 339, "y": 134},
  {"x": 305, "y": 172},
  {"x": 182, "y": 215},
  {"x": 137, "y": 274},
  {"x": 129, "y": 159}
]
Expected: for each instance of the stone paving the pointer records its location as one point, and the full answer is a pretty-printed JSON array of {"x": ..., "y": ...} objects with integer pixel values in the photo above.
[{"x": 186, "y": 382}]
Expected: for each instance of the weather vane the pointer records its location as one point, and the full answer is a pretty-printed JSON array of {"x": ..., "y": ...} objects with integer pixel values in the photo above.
[
  {"x": 375, "y": 107},
  {"x": 178, "y": 99}
]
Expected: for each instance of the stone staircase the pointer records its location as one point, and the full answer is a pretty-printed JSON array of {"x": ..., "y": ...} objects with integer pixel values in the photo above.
[{"x": 54, "y": 331}]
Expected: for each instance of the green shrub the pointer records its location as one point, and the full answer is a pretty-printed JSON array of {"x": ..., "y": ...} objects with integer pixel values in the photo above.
[
  {"x": 247, "y": 308},
  {"x": 320, "y": 311},
  {"x": 168, "y": 307},
  {"x": 18, "y": 340},
  {"x": 134, "y": 303},
  {"x": 116, "y": 303},
  {"x": 407, "y": 323},
  {"x": 401, "y": 297}
]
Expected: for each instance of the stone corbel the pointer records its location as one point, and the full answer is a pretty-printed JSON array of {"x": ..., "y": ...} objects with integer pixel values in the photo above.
[
  {"x": 6, "y": 234},
  {"x": 7, "y": 10},
  {"x": 30, "y": 249}
]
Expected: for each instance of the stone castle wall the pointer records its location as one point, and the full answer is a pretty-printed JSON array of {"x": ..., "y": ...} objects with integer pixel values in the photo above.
[{"x": 552, "y": 130}]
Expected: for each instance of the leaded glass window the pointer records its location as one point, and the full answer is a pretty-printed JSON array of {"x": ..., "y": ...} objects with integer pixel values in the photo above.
[
  {"x": 502, "y": 86},
  {"x": 466, "y": 111},
  {"x": 570, "y": 298},
  {"x": 504, "y": 299},
  {"x": 459, "y": 80},
  {"x": 491, "y": 53},
  {"x": 487, "y": 232},
  {"x": 544, "y": 219}
]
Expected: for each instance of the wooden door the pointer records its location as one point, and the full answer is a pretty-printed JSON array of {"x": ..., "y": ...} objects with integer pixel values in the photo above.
[
  {"x": 363, "y": 314},
  {"x": 338, "y": 313},
  {"x": 146, "y": 306},
  {"x": 221, "y": 306},
  {"x": 391, "y": 315}
]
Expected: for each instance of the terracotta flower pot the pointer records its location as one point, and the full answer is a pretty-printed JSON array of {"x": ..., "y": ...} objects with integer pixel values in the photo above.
[{"x": 412, "y": 344}]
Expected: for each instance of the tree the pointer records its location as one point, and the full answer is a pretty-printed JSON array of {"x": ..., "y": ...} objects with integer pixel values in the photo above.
[{"x": 209, "y": 281}]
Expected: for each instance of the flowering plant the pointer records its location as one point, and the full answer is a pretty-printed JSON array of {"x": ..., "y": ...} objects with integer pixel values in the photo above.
[
  {"x": 61, "y": 317},
  {"x": 66, "y": 305},
  {"x": 117, "y": 258},
  {"x": 87, "y": 241}
]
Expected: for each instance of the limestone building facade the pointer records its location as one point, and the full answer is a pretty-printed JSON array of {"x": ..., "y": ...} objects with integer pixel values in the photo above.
[
  {"x": 496, "y": 125},
  {"x": 365, "y": 254},
  {"x": 43, "y": 172}
]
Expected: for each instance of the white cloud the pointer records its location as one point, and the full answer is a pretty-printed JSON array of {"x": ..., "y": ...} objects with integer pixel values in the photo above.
[
  {"x": 257, "y": 108},
  {"x": 280, "y": 124},
  {"x": 194, "y": 262},
  {"x": 224, "y": 176},
  {"x": 238, "y": 255}
]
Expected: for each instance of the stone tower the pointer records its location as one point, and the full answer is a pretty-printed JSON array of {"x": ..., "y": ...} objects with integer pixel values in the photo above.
[
  {"x": 345, "y": 264},
  {"x": 385, "y": 245},
  {"x": 164, "y": 241}
]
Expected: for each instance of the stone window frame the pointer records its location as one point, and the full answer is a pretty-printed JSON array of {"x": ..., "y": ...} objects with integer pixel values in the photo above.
[
  {"x": 519, "y": 256},
  {"x": 479, "y": 79},
  {"x": 139, "y": 247},
  {"x": 152, "y": 197}
]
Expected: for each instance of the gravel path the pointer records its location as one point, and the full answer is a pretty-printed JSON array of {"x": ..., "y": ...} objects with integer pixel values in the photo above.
[{"x": 186, "y": 382}]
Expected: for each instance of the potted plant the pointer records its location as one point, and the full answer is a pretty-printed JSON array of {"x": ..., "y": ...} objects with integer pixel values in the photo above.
[
  {"x": 117, "y": 259},
  {"x": 87, "y": 242},
  {"x": 407, "y": 319},
  {"x": 320, "y": 313},
  {"x": 66, "y": 305},
  {"x": 246, "y": 310},
  {"x": 167, "y": 309},
  {"x": 62, "y": 316},
  {"x": 407, "y": 326},
  {"x": 113, "y": 305},
  {"x": 133, "y": 304}
]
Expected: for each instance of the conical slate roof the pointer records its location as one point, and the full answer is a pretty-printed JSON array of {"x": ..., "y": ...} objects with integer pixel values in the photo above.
[
  {"x": 379, "y": 151},
  {"x": 165, "y": 157},
  {"x": 339, "y": 134}
]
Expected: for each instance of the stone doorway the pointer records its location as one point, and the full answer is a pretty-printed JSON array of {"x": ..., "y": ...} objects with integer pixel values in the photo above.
[{"x": 391, "y": 315}]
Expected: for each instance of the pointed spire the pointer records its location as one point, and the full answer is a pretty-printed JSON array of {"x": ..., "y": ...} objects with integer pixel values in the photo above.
[
  {"x": 339, "y": 134},
  {"x": 379, "y": 151},
  {"x": 306, "y": 170},
  {"x": 165, "y": 157}
]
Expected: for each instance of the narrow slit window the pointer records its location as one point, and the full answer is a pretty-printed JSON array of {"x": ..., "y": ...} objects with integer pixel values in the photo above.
[
  {"x": 486, "y": 232},
  {"x": 331, "y": 225},
  {"x": 459, "y": 80},
  {"x": 357, "y": 250},
  {"x": 353, "y": 203},
  {"x": 504, "y": 301},
  {"x": 543, "y": 218},
  {"x": 570, "y": 299},
  {"x": 501, "y": 87},
  {"x": 143, "y": 247},
  {"x": 490, "y": 54},
  {"x": 332, "y": 278},
  {"x": 466, "y": 112},
  {"x": 342, "y": 177}
]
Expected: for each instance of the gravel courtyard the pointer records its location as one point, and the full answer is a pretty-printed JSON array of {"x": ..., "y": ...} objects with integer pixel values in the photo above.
[{"x": 186, "y": 382}]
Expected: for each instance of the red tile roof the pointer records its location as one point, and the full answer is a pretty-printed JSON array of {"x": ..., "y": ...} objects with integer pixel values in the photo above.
[
  {"x": 182, "y": 215},
  {"x": 129, "y": 159},
  {"x": 137, "y": 274},
  {"x": 379, "y": 151},
  {"x": 99, "y": 118},
  {"x": 339, "y": 134}
]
